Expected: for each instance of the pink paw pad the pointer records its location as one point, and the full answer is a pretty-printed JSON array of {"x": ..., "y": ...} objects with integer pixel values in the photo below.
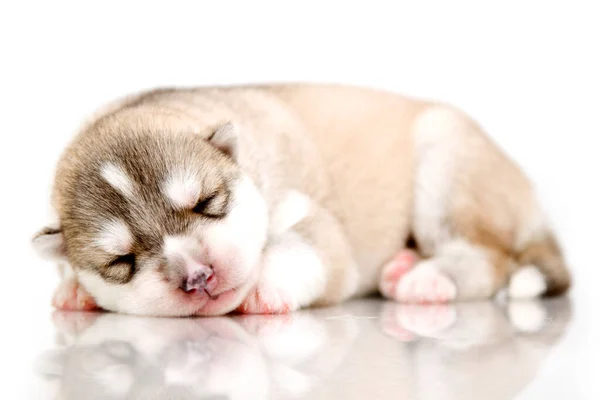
[
  {"x": 404, "y": 261},
  {"x": 70, "y": 296}
]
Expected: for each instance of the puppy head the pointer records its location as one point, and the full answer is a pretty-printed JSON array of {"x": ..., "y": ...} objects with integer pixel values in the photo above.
[{"x": 158, "y": 223}]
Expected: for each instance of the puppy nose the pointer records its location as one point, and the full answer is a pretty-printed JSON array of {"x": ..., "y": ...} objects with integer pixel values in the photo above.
[{"x": 197, "y": 280}]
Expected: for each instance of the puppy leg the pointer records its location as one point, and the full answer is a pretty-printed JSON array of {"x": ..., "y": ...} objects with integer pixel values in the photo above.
[
  {"x": 476, "y": 218},
  {"x": 310, "y": 264},
  {"x": 292, "y": 274}
]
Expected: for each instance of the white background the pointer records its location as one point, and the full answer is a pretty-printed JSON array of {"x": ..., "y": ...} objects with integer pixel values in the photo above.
[{"x": 528, "y": 71}]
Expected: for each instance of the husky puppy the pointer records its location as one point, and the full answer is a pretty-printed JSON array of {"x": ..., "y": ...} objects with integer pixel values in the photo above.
[{"x": 269, "y": 198}]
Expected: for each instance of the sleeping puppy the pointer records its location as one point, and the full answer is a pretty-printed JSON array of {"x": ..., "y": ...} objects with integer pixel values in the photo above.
[{"x": 270, "y": 198}]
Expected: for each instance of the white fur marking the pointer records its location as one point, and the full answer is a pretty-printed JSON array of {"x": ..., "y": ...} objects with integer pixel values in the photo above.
[
  {"x": 180, "y": 246},
  {"x": 115, "y": 238},
  {"x": 118, "y": 179},
  {"x": 291, "y": 209},
  {"x": 527, "y": 283},
  {"x": 182, "y": 188},
  {"x": 184, "y": 249},
  {"x": 293, "y": 268},
  {"x": 437, "y": 134},
  {"x": 238, "y": 239}
]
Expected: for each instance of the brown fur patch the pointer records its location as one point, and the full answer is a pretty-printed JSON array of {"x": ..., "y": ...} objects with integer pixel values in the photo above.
[
  {"x": 547, "y": 256},
  {"x": 87, "y": 200}
]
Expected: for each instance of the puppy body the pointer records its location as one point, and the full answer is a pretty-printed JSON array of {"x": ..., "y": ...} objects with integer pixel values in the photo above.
[{"x": 322, "y": 186}]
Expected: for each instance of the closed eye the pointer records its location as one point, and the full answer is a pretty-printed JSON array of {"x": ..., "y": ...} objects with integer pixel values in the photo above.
[
  {"x": 203, "y": 204},
  {"x": 120, "y": 270},
  {"x": 125, "y": 259},
  {"x": 212, "y": 206}
]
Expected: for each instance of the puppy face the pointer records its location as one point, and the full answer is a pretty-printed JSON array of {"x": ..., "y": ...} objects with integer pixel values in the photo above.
[{"x": 158, "y": 224}]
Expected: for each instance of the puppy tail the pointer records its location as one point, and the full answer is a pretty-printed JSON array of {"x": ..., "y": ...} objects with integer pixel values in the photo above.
[{"x": 546, "y": 254}]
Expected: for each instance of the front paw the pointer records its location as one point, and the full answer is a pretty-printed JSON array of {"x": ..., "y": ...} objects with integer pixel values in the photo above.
[
  {"x": 71, "y": 296},
  {"x": 266, "y": 299}
]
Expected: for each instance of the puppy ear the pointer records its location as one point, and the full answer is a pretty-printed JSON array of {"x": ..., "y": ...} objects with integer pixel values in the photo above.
[
  {"x": 49, "y": 243},
  {"x": 225, "y": 138}
]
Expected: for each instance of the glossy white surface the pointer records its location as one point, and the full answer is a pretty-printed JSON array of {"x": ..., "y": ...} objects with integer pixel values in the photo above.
[{"x": 363, "y": 349}]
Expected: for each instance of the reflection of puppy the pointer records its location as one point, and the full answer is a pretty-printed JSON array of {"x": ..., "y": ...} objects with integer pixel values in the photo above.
[
  {"x": 167, "y": 202},
  {"x": 117, "y": 356},
  {"x": 130, "y": 357},
  {"x": 444, "y": 352},
  {"x": 476, "y": 350}
]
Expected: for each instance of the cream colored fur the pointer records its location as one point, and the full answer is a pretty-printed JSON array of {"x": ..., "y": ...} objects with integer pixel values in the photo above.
[{"x": 375, "y": 167}]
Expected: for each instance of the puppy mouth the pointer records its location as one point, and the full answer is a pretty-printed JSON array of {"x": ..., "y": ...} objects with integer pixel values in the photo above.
[
  {"x": 215, "y": 304},
  {"x": 216, "y": 296},
  {"x": 225, "y": 299},
  {"x": 207, "y": 294},
  {"x": 204, "y": 291},
  {"x": 211, "y": 296}
]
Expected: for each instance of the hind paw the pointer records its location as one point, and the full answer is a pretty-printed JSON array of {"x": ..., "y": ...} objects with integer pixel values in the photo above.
[
  {"x": 402, "y": 263},
  {"x": 408, "y": 280},
  {"x": 425, "y": 284}
]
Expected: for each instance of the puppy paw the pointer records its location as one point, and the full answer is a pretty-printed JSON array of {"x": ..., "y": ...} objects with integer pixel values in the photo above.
[
  {"x": 71, "y": 296},
  {"x": 265, "y": 299},
  {"x": 425, "y": 284},
  {"x": 394, "y": 270}
]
